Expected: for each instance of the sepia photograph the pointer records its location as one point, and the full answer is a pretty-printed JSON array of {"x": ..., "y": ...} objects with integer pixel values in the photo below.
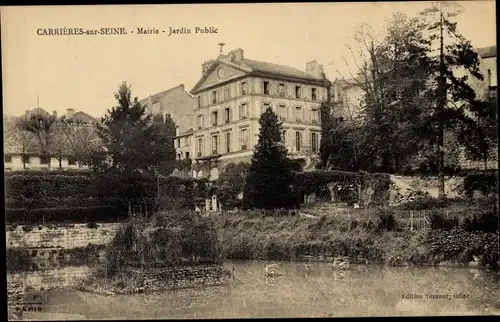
[{"x": 251, "y": 160}]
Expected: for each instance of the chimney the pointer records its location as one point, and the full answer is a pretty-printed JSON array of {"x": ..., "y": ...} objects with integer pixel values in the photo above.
[
  {"x": 54, "y": 113},
  {"x": 205, "y": 66},
  {"x": 489, "y": 77},
  {"x": 70, "y": 113},
  {"x": 182, "y": 86},
  {"x": 236, "y": 56},
  {"x": 314, "y": 69}
]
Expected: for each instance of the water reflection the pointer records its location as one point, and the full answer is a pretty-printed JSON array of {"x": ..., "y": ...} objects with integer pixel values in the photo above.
[{"x": 302, "y": 291}]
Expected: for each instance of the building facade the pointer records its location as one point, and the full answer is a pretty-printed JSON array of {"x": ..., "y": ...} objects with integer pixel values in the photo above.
[
  {"x": 230, "y": 97},
  {"x": 176, "y": 102}
]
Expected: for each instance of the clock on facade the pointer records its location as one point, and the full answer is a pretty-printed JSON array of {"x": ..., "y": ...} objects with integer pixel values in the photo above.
[{"x": 220, "y": 72}]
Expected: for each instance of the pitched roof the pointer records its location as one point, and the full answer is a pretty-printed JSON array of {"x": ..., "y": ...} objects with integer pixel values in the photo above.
[
  {"x": 83, "y": 117},
  {"x": 276, "y": 69},
  {"x": 487, "y": 52},
  {"x": 158, "y": 96},
  {"x": 250, "y": 65},
  {"x": 187, "y": 132}
]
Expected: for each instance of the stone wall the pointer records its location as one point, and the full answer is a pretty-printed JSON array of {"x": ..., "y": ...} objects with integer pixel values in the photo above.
[
  {"x": 64, "y": 236},
  {"x": 160, "y": 279}
]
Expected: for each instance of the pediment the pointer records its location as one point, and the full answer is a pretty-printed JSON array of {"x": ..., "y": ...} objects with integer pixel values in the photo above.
[{"x": 219, "y": 72}]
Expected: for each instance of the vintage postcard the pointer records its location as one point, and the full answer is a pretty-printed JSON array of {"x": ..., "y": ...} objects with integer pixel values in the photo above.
[{"x": 251, "y": 160}]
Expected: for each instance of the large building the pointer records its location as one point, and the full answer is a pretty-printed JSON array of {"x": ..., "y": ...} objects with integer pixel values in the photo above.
[
  {"x": 233, "y": 92},
  {"x": 22, "y": 150},
  {"x": 176, "y": 102}
]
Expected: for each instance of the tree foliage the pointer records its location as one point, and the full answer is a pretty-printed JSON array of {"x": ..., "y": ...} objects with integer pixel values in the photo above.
[
  {"x": 132, "y": 139},
  {"x": 268, "y": 181},
  {"x": 230, "y": 184},
  {"x": 415, "y": 101}
]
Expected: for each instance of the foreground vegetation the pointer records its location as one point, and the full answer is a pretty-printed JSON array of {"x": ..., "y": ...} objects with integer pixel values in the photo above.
[
  {"x": 147, "y": 244},
  {"x": 379, "y": 241}
]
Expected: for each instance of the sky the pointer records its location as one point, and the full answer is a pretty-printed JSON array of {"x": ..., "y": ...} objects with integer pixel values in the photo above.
[{"x": 84, "y": 72}]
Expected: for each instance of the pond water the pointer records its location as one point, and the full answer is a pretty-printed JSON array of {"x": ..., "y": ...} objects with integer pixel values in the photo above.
[{"x": 299, "y": 292}]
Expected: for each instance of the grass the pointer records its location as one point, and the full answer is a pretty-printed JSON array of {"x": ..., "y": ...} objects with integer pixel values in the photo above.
[{"x": 333, "y": 234}]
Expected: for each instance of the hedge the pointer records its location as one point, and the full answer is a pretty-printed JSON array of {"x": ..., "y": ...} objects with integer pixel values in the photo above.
[
  {"x": 23, "y": 216},
  {"x": 308, "y": 182},
  {"x": 33, "y": 190}
]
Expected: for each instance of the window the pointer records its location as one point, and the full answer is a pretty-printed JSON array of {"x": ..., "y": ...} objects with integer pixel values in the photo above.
[
  {"x": 214, "y": 97},
  {"x": 187, "y": 155},
  {"x": 244, "y": 89},
  {"x": 265, "y": 106},
  {"x": 178, "y": 143},
  {"x": 281, "y": 90},
  {"x": 199, "y": 147},
  {"x": 8, "y": 159},
  {"x": 199, "y": 101},
  {"x": 45, "y": 159},
  {"x": 244, "y": 139},
  {"x": 215, "y": 144},
  {"x": 200, "y": 121},
  {"x": 283, "y": 137},
  {"x": 228, "y": 142},
  {"x": 227, "y": 93},
  {"x": 178, "y": 156},
  {"x": 227, "y": 115},
  {"x": 266, "y": 88},
  {"x": 72, "y": 161},
  {"x": 25, "y": 158},
  {"x": 298, "y": 140},
  {"x": 282, "y": 112},
  {"x": 297, "y": 91},
  {"x": 186, "y": 141},
  {"x": 214, "y": 118},
  {"x": 315, "y": 116},
  {"x": 298, "y": 114},
  {"x": 314, "y": 142},
  {"x": 313, "y": 94},
  {"x": 243, "y": 111}
]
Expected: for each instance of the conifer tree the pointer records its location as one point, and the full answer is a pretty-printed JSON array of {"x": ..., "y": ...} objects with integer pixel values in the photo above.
[{"x": 269, "y": 177}]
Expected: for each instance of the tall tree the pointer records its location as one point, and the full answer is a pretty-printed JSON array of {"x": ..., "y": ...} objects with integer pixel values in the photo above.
[
  {"x": 269, "y": 178},
  {"x": 17, "y": 139},
  {"x": 453, "y": 98},
  {"x": 391, "y": 73},
  {"x": 130, "y": 136},
  {"x": 43, "y": 129},
  {"x": 163, "y": 133},
  {"x": 81, "y": 140}
]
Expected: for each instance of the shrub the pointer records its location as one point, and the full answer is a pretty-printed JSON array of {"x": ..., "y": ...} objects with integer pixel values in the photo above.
[
  {"x": 424, "y": 202},
  {"x": 486, "y": 221},
  {"x": 386, "y": 221},
  {"x": 439, "y": 222},
  {"x": 483, "y": 181},
  {"x": 318, "y": 180},
  {"x": 166, "y": 239}
]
